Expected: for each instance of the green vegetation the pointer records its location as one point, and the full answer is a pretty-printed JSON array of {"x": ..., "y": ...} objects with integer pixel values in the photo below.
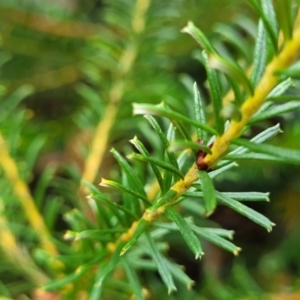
[{"x": 134, "y": 141}]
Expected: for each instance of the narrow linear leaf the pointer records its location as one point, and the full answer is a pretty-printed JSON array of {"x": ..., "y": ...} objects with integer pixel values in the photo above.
[
  {"x": 179, "y": 274},
  {"x": 216, "y": 239},
  {"x": 231, "y": 35},
  {"x": 260, "y": 138},
  {"x": 162, "y": 268},
  {"x": 221, "y": 232},
  {"x": 62, "y": 282},
  {"x": 99, "y": 196},
  {"x": 137, "y": 229},
  {"x": 182, "y": 145},
  {"x": 140, "y": 147},
  {"x": 163, "y": 139},
  {"x": 260, "y": 55},
  {"x": 170, "y": 157},
  {"x": 256, "y": 156},
  {"x": 284, "y": 98},
  {"x": 288, "y": 155},
  {"x": 93, "y": 233},
  {"x": 167, "y": 197},
  {"x": 133, "y": 279},
  {"x": 157, "y": 162},
  {"x": 245, "y": 211},
  {"x": 292, "y": 72},
  {"x": 209, "y": 192},
  {"x": 248, "y": 196},
  {"x": 199, "y": 36},
  {"x": 285, "y": 19},
  {"x": 110, "y": 183},
  {"x": 159, "y": 131},
  {"x": 140, "y": 109},
  {"x": 231, "y": 69},
  {"x": 275, "y": 111},
  {"x": 129, "y": 172},
  {"x": 186, "y": 232},
  {"x": 267, "y": 13},
  {"x": 199, "y": 114},
  {"x": 217, "y": 172},
  {"x": 238, "y": 97},
  {"x": 280, "y": 89},
  {"x": 215, "y": 91},
  {"x": 103, "y": 272}
]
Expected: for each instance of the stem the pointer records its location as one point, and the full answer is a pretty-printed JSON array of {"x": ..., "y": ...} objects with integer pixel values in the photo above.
[
  {"x": 288, "y": 55},
  {"x": 101, "y": 136},
  {"x": 17, "y": 255},
  {"x": 21, "y": 190}
]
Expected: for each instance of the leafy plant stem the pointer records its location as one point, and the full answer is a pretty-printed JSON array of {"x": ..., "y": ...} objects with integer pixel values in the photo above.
[
  {"x": 287, "y": 56},
  {"x": 21, "y": 190},
  {"x": 101, "y": 135}
]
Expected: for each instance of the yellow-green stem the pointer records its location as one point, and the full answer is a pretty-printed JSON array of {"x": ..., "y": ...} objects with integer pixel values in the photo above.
[
  {"x": 100, "y": 140},
  {"x": 287, "y": 56},
  {"x": 21, "y": 190}
]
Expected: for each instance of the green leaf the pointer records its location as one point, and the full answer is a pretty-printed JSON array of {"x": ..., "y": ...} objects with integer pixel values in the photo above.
[
  {"x": 167, "y": 197},
  {"x": 163, "y": 139},
  {"x": 166, "y": 112},
  {"x": 133, "y": 279},
  {"x": 275, "y": 111},
  {"x": 248, "y": 196},
  {"x": 287, "y": 155},
  {"x": 256, "y": 156},
  {"x": 209, "y": 192},
  {"x": 293, "y": 71},
  {"x": 157, "y": 162},
  {"x": 186, "y": 232},
  {"x": 231, "y": 69},
  {"x": 217, "y": 172},
  {"x": 199, "y": 36},
  {"x": 199, "y": 111},
  {"x": 139, "y": 229},
  {"x": 62, "y": 282},
  {"x": 179, "y": 274},
  {"x": 162, "y": 268},
  {"x": 260, "y": 55},
  {"x": 93, "y": 233},
  {"x": 285, "y": 19},
  {"x": 140, "y": 146},
  {"x": 221, "y": 232},
  {"x": 103, "y": 272},
  {"x": 215, "y": 239},
  {"x": 280, "y": 89},
  {"x": 110, "y": 183},
  {"x": 238, "y": 97},
  {"x": 97, "y": 195},
  {"x": 169, "y": 157},
  {"x": 267, "y": 13},
  {"x": 215, "y": 92},
  {"x": 182, "y": 145},
  {"x": 284, "y": 98},
  {"x": 92, "y": 97},
  {"x": 260, "y": 138},
  {"x": 43, "y": 182},
  {"x": 232, "y": 36},
  {"x": 132, "y": 177},
  {"x": 245, "y": 211},
  {"x": 157, "y": 128}
]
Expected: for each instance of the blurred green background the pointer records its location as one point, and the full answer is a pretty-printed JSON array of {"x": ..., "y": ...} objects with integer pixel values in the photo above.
[{"x": 59, "y": 57}]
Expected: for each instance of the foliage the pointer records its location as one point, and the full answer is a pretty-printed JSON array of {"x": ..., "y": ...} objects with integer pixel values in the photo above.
[{"x": 62, "y": 235}]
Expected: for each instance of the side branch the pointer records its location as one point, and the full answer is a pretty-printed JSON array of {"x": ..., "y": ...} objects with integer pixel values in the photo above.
[{"x": 288, "y": 55}]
